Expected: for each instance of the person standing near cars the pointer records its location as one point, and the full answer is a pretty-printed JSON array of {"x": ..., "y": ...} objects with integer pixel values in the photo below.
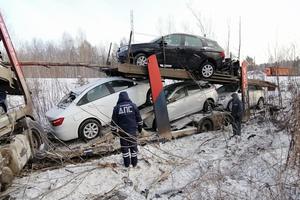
[
  {"x": 126, "y": 121},
  {"x": 237, "y": 114}
]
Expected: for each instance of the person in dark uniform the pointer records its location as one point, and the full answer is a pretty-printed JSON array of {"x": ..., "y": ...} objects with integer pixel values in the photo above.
[
  {"x": 126, "y": 121},
  {"x": 237, "y": 114}
]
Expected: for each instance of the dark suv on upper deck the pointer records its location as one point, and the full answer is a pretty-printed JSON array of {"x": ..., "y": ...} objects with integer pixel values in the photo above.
[{"x": 191, "y": 52}]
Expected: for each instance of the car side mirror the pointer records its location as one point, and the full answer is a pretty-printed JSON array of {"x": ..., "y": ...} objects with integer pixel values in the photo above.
[
  {"x": 173, "y": 99},
  {"x": 163, "y": 43}
]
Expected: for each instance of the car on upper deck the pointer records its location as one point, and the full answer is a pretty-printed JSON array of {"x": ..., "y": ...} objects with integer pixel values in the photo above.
[{"x": 195, "y": 53}]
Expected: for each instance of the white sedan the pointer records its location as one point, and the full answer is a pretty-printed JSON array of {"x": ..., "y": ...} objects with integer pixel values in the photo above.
[
  {"x": 256, "y": 96},
  {"x": 84, "y": 111},
  {"x": 183, "y": 99}
]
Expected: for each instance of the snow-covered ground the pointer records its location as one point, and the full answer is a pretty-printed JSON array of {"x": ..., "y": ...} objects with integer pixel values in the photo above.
[{"x": 203, "y": 166}]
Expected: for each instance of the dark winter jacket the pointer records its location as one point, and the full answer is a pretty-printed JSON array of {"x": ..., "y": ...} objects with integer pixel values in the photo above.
[
  {"x": 237, "y": 107},
  {"x": 126, "y": 115},
  {"x": 3, "y": 102}
]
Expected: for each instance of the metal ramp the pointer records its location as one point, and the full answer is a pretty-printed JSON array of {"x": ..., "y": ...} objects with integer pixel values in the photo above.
[{"x": 130, "y": 70}]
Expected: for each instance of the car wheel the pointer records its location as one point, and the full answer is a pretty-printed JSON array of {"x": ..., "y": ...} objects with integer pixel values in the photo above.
[
  {"x": 205, "y": 125},
  {"x": 89, "y": 129},
  {"x": 141, "y": 60},
  {"x": 260, "y": 104},
  {"x": 207, "y": 70},
  {"x": 149, "y": 99},
  {"x": 208, "y": 105},
  {"x": 38, "y": 138}
]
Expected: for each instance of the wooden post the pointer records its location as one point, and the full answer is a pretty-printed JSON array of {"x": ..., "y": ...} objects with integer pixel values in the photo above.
[{"x": 159, "y": 99}]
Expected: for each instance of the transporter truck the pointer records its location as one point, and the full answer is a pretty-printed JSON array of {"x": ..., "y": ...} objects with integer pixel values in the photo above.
[{"x": 21, "y": 137}]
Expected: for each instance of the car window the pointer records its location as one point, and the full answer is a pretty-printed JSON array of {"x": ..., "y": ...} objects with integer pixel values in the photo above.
[
  {"x": 94, "y": 94},
  {"x": 67, "y": 99},
  {"x": 212, "y": 44},
  {"x": 227, "y": 88},
  {"x": 119, "y": 85},
  {"x": 173, "y": 40},
  {"x": 192, "y": 41},
  {"x": 169, "y": 89},
  {"x": 192, "y": 89},
  {"x": 179, "y": 94}
]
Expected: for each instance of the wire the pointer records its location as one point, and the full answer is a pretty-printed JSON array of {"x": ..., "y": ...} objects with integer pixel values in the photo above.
[{"x": 128, "y": 134}]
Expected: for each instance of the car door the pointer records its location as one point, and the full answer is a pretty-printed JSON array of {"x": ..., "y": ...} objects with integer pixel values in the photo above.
[
  {"x": 252, "y": 94},
  {"x": 258, "y": 93},
  {"x": 195, "y": 99},
  {"x": 171, "y": 46},
  {"x": 98, "y": 102},
  {"x": 177, "y": 104},
  {"x": 192, "y": 52}
]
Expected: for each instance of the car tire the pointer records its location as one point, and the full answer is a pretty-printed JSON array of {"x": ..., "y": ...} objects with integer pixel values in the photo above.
[
  {"x": 149, "y": 100},
  {"x": 39, "y": 141},
  {"x": 141, "y": 60},
  {"x": 207, "y": 69},
  {"x": 205, "y": 125},
  {"x": 260, "y": 103},
  {"x": 89, "y": 129},
  {"x": 208, "y": 105}
]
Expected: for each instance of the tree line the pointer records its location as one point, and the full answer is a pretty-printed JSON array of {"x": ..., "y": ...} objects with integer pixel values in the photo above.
[{"x": 68, "y": 49}]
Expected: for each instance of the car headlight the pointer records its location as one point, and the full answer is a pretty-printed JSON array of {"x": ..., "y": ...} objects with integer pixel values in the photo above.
[{"x": 124, "y": 48}]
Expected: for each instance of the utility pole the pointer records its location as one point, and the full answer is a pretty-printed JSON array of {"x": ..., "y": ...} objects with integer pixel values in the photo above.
[
  {"x": 132, "y": 25},
  {"x": 228, "y": 41},
  {"x": 240, "y": 38}
]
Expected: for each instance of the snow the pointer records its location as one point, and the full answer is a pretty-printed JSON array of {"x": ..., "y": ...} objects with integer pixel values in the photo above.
[{"x": 203, "y": 166}]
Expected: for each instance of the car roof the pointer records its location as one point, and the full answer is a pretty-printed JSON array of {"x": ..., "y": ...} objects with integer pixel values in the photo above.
[{"x": 100, "y": 81}]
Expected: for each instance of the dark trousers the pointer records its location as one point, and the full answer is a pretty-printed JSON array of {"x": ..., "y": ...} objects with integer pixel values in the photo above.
[
  {"x": 129, "y": 151},
  {"x": 237, "y": 125}
]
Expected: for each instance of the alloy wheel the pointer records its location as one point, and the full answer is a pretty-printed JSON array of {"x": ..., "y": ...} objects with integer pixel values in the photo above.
[
  {"x": 207, "y": 71},
  {"x": 141, "y": 61},
  {"x": 90, "y": 130}
]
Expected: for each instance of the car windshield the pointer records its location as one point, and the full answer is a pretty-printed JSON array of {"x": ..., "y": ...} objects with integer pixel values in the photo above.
[
  {"x": 227, "y": 88},
  {"x": 67, "y": 100},
  {"x": 169, "y": 90}
]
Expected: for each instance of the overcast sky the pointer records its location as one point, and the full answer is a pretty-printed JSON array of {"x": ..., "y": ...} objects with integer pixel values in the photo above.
[{"x": 266, "y": 24}]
